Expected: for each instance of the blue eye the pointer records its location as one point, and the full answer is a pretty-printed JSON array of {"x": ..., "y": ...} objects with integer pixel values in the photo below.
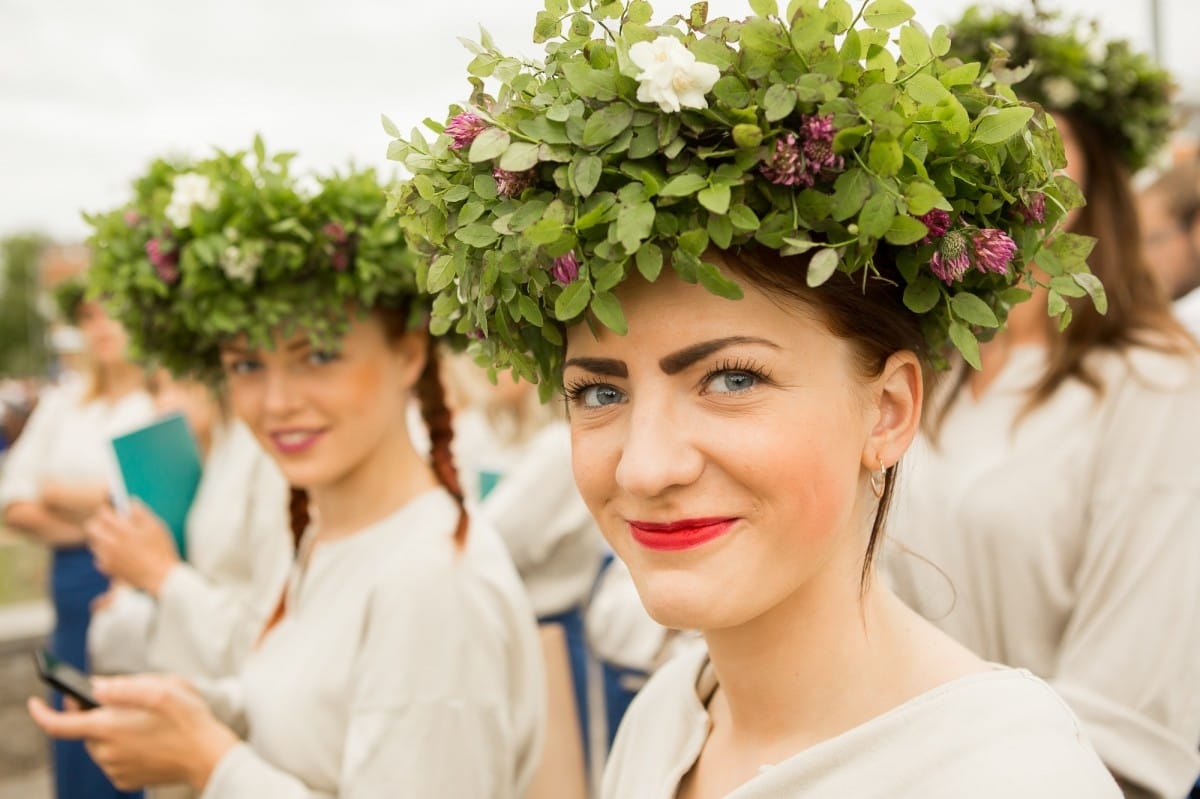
[
  {"x": 730, "y": 382},
  {"x": 243, "y": 366},
  {"x": 321, "y": 357},
  {"x": 596, "y": 395}
]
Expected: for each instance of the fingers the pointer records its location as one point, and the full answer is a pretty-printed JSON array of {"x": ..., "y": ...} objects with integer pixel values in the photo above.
[
  {"x": 69, "y": 726},
  {"x": 145, "y": 691}
]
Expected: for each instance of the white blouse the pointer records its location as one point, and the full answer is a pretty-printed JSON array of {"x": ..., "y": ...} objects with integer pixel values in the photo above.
[
  {"x": 535, "y": 506},
  {"x": 1067, "y": 541},
  {"x": 67, "y": 439},
  {"x": 211, "y": 609},
  {"x": 403, "y": 667},
  {"x": 996, "y": 735}
]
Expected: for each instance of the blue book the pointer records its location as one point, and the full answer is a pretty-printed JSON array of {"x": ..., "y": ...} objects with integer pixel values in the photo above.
[{"x": 160, "y": 465}]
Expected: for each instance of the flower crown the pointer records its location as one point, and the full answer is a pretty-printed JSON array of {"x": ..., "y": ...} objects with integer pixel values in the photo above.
[
  {"x": 232, "y": 245},
  {"x": 1063, "y": 65},
  {"x": 633, "y": 147}
]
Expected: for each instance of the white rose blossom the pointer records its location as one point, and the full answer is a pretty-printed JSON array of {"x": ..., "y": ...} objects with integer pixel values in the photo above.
[
  {"x": 671, "y": 76},
  {"x": 187, "y": 192},
  {"x": 240, "y": 264}
]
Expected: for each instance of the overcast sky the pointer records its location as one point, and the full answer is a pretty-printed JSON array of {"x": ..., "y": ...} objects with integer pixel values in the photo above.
[{"x": 90, "y": 90}]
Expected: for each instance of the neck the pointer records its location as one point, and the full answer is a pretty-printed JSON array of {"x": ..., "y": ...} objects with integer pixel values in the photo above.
[
  {"x": 120, "y": 379},
  {"x": 820, "y": 663},
  {"x": 378, "y": 486}
]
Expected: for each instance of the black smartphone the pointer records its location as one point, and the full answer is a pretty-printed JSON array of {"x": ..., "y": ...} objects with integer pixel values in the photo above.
[{"x": 65, "y": 678}]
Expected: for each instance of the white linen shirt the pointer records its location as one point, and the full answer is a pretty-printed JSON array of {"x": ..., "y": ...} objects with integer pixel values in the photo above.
[
  {"x": 995, "y": 735},
  {"x": 210, "y": 609},
  {"x": 1068, "y": 543},
  {"x": 402, "y": 667},
  {"x": 67, "y": 439}
]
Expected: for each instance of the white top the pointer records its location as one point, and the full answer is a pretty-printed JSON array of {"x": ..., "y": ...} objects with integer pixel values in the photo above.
[
  {"x": 67, "y": 439},
  {"x": 1187, "y": 308},
  {"x": 402, "y": 668},
  {"x": 1071, "y": 544},
  {"x": 995, "y": 735},
  {"x": 553, "y": 540},
  {"x": 211, "y": 609}
]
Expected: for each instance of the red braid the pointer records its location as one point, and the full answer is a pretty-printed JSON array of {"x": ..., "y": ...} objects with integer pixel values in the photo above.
[
  {"x": 432, "y": 397},
  {"x": 298, "y": 519}
]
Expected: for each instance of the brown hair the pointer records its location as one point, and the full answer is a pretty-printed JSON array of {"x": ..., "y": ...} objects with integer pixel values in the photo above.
[
  {"x": 869, "y": 314},
  {"x": 1139, "y": 311},
  {"x": 432, "y": 397}
]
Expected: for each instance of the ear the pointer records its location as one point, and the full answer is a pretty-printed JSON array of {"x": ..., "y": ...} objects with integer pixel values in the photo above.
[
  {"x": 411, "y": 351},
  {"x": 899, "y": 394}
]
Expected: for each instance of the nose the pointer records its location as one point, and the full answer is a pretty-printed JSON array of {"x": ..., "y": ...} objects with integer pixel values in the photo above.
[
  {"x": 660, "y": 450},
  {"x": 279, "y": 397}
]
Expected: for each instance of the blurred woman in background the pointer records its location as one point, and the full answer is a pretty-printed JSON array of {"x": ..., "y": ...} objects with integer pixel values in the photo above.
[{"x": 58, "y": 475}]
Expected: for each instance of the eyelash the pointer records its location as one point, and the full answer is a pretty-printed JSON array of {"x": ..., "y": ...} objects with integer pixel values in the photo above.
[
  {"x": 573, "y": 392},
  {"x": 737, "y": 365}
]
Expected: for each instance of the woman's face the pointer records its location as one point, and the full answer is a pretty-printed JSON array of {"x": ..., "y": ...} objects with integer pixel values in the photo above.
[
  {"x": 323, "y": 415},
  {"x": 104, "y": 338},
  {"x": 725, "y": 449}
]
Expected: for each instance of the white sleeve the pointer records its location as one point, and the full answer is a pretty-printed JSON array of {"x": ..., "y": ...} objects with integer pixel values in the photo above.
[
  {"x": 430, "y": 713},
  {"x": 207, "y": 627},
  {"x": 1131, "y": 650},
  {"x": 25, "y": 466},
  {"x": 536, "y": 503}
]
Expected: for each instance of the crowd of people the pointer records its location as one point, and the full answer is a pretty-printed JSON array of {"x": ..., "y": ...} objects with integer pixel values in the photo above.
[{"x": 728, "y": 409}]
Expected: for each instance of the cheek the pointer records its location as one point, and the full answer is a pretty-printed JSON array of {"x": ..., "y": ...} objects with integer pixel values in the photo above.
[{"x": 246, "y": 401}]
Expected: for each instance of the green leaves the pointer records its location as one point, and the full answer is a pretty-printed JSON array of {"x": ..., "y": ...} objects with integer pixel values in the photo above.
[
  {"x": 489, "y": 145},
  {"x": 887, "y": 14},
  {"x": 828, "y": 135},
  {"x": 1002, "y": 125}
]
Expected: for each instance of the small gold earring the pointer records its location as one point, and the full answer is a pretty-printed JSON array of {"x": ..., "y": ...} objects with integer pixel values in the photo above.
[{"x": 879, "y": 480}]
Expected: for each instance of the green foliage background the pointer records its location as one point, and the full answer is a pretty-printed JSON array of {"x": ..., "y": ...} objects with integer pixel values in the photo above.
[{"x": 23, "y": 349}]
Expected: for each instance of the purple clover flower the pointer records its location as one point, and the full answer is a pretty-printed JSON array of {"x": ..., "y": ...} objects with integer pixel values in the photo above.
[
  {"x": 335, "y": 232},
  {"x": 1034, "y": 210},
  {"x": 164, "y": 260},
  {"x": 565, "y": 269},
  {"x": 802, "y": 159},
  {"x": 994, "y": 250},
  {"x": 511, "y": 184},
  {"x": 937, "y": 221},
  {"x": 952, "y": 258},
  {"x": 464, "y": 129},
  {"x": 132, "y": 218}
]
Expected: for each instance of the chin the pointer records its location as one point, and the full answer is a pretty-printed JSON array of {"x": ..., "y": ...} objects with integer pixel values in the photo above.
[{"x": 683, "y": 600}]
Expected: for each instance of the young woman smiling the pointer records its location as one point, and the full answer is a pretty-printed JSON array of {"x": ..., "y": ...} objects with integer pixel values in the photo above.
[
  {"x": 740, "y": 279},
  {"x": 403, "y": 659}
]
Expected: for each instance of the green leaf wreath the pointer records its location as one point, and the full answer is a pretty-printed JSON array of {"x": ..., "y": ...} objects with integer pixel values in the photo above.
[
  {"x": 235, "y": 244},
  {"x": 1062, "y": 64},
  {"x": 638, "y": 147}
]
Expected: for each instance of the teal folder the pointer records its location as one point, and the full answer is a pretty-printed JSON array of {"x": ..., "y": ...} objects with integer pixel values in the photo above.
[{"x": 161, "y": 466}]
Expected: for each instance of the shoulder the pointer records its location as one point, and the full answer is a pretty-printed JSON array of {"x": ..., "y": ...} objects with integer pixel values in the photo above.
[
  {"x": 419, "y": 566},
  {"x": 1147, "y": 370},
  {"x": 662, "y": 732},
  {"x": 1004, "y": 733}
]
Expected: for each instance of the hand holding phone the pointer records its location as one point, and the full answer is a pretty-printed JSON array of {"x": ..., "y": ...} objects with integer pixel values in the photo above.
[{"x": 65, "y": 678}]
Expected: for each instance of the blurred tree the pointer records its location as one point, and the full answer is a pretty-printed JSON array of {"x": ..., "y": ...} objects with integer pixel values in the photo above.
[{"x": 23, "y": 349}]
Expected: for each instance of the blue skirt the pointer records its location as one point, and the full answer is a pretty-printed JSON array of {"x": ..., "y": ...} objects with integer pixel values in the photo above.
[{"x": 74, "y": 583}]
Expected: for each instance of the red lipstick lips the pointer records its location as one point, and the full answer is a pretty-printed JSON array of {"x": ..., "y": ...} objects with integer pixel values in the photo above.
[{"x": 680, "y": 535}]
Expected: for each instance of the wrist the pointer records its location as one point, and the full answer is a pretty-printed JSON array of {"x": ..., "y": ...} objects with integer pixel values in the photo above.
[
  {"x": 157, "y": 576},
  {"x": 217, "y": 741}
]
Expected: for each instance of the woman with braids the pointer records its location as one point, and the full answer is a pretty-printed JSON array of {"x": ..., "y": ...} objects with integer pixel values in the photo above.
[
  {"x": 403, "y": 659},
  {"x": 724, "y": 245},
  {"x": 1053, "y": 512}
]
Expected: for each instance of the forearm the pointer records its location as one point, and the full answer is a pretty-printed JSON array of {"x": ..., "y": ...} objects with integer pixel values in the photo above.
[
  {"x": 38, "y": 520},
  {"x": 74, "y": 501}
]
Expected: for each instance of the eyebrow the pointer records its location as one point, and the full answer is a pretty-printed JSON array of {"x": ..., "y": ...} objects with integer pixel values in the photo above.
[
  {"x": 609, "y": 367},
  {"x": 671, "y": 364},
  {"x": 676, "y": 362}
]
